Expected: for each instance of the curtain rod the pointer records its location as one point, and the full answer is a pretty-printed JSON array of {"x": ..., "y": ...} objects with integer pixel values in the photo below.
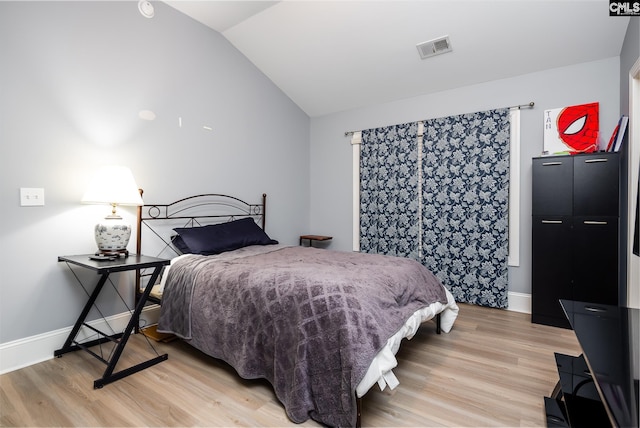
[
  {"x": 530, "y": 105},
  {"x": 520, "y": 106}
]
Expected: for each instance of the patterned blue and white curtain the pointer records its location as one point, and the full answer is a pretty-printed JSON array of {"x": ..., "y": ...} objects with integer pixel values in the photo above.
[
  {"x": 442, "y": 198},
  {"x": 465, "y": 194},
  {"x": 389, "y": 191}
]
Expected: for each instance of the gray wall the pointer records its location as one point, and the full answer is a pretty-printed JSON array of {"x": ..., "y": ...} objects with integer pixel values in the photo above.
[
  {"x": 73, "y": 77},
  {"x": 629, "y": 54},
  {"x": 331, "y": 159}
]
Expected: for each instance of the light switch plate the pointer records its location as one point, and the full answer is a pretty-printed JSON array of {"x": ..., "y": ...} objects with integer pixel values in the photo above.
[{"x": 31, "y": 196}]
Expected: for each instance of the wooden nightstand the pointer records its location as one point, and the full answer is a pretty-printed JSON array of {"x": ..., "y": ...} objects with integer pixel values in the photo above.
[
  {"x": 104, "y": 268},
  {"x": 311, "y": 238}
]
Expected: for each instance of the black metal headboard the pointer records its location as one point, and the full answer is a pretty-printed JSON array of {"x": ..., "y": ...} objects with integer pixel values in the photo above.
[
  {"x": 193, "y": 211},
  {"x": 156, "y": 221}
]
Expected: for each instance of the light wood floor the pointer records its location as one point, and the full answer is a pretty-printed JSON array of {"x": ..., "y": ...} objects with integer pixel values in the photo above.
[{"x": 492, "y": 369}]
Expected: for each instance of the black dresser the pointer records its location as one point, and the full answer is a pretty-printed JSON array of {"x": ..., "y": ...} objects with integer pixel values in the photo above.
[{"x": 575, "y": 233}]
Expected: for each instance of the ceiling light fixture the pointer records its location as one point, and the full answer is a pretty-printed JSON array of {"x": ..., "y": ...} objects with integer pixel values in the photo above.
[{"x": 146, "y": 9}]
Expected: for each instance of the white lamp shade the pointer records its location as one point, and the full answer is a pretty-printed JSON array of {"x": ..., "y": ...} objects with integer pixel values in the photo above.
[{"x": 113, "y": 185}]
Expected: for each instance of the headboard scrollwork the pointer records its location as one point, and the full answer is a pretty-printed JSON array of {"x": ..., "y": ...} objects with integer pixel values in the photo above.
[
  {"x": 194, "y": 211},
  {"x": 156, "y": 221}
]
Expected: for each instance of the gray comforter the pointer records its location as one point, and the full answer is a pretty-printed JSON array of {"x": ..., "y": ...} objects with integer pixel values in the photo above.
[{"x": 308, "y": 320}]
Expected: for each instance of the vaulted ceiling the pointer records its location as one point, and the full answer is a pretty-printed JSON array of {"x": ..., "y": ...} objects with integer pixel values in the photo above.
[{"x": 330, "y": 56}]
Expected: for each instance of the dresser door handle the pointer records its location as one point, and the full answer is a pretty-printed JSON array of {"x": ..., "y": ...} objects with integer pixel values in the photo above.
[
  {"x": 551, "y": 163},
  {"x": 595, "y": 160},
  {"x": 593, "y": 222},
  {"x": 551, "y": 221}
]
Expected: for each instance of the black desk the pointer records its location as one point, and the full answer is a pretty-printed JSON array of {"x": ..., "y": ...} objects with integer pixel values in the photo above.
[
  {"x": 104, "y": 269},
  {"x": 609, "y": 337}
]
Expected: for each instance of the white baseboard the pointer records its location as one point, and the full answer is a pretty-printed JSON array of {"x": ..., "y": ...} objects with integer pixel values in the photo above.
[
  {"x": 35, "y": 349},
  {"x": 519, "y": 302}
]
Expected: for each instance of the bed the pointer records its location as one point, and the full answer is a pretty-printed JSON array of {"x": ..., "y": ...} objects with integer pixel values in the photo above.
[{"x": 321, "y": 326}]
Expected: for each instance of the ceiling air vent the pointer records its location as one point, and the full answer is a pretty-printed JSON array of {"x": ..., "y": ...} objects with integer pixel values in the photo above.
[{"x": 434, "y": 47}]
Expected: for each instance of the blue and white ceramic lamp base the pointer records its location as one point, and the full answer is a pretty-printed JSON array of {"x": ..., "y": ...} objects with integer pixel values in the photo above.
[{"x": 112, "y": 236}]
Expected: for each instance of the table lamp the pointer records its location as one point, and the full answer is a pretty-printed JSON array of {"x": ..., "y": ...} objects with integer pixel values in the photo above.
[{"x": 113, "y": 185}]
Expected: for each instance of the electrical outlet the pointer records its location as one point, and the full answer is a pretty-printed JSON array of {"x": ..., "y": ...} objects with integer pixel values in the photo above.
[{"x": 31, "y": 196}]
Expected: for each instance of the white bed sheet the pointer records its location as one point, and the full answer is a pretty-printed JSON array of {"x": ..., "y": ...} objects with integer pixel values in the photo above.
[{"x": 381, "y": 369}]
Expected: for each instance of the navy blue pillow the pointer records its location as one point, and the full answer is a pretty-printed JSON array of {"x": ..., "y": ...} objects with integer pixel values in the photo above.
[
  {"x": 218, "y": 238},
  {"x": 179, "y": 244}
]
